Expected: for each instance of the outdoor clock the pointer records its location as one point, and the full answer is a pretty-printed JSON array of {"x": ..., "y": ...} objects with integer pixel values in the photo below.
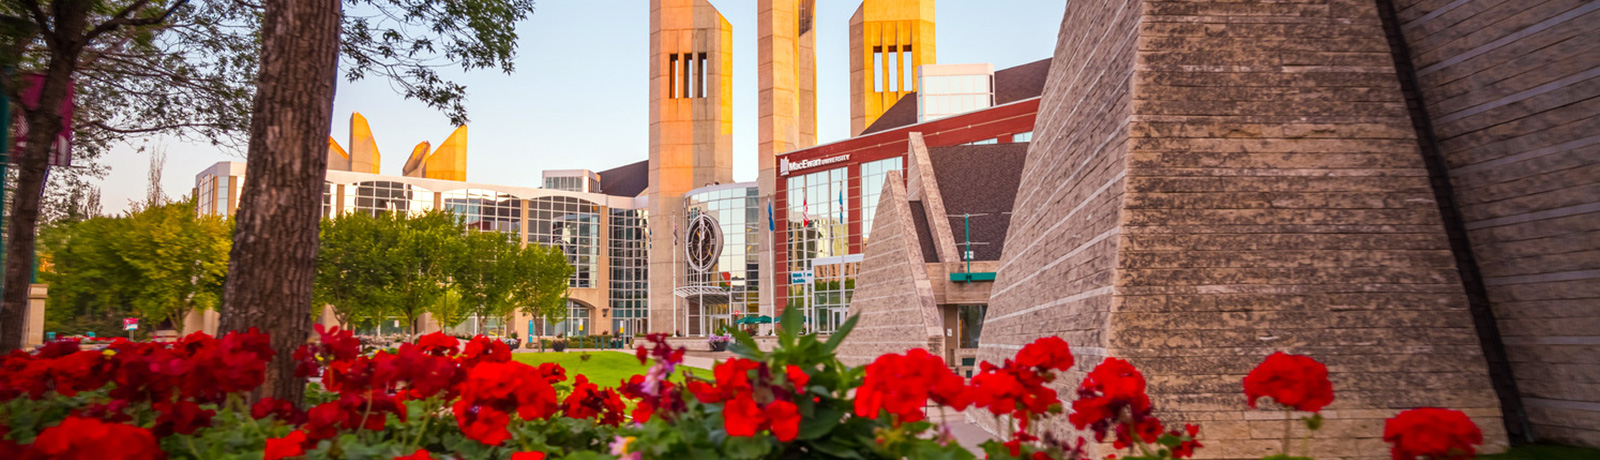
[{"x": 703, "y": 243}]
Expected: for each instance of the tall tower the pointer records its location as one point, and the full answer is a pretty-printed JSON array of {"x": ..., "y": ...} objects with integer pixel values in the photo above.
[
  {"x": 787, "y": 39},
  {"x": 888, "y": 40},
  {"x": 363, "y": 155},
  {"x": 691, "y": 130}
]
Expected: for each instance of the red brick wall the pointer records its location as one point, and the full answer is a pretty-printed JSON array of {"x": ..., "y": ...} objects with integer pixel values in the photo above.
[{"x": 1512, "y": 90}]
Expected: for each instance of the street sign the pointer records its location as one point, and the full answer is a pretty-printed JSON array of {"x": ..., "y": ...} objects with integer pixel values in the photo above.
[{"x": 130, "y": 324}]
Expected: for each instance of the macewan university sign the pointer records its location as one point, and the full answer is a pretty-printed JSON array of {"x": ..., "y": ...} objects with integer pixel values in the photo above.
[{"x": 785, "y": 166}]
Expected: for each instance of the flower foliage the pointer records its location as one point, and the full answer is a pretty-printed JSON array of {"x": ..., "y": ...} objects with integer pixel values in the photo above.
[{"x": 443, "y": 398}]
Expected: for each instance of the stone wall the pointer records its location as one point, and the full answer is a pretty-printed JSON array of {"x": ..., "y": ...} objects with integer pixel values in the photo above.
[
  {"x": 1512, "y": 93},
  {"x": 1213, "y": 181},
  {"x": 894, "y": 297}
]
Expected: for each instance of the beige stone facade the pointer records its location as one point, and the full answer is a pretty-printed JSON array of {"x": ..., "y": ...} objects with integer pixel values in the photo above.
[
  {"x": 691, "y": 130},
  {"x": 1214, "y": 181},
  {"x": 888, "y": 40},
  {"x": 1510, "y": 92}
]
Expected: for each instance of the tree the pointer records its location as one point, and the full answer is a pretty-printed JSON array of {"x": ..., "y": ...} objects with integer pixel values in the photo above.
[
  {"x": 274, "y": 258},
  {"x": 157, "y": 262},
  {"x": 392, "y": 264},
  {"x": 138, "y": 67},
  {"x": 499, "y": 275}
]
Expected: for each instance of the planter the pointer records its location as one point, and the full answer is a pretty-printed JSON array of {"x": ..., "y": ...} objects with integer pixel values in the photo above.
[
  {"x": 559, "y": 347},
  {"x": 719, "y": 346}
]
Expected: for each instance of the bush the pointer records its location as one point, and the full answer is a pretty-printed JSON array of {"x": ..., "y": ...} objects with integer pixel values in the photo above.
[{"x": 438, "y": 396}]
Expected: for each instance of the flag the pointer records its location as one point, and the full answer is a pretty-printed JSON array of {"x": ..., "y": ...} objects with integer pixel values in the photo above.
[
  {"x": 674, "y": 233},
  {"x": 841, "y": 206},
  {"x": 772, "y": 223},
  {"x": 805, "y": 212}
]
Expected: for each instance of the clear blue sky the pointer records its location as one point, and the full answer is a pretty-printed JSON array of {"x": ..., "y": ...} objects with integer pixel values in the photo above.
[{"x": 577, "y": 98}]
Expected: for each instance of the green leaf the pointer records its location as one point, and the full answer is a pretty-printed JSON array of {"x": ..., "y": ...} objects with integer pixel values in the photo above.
[
  {"x": 746, "y": 447},
  {"x": 821, "y": 424},
  {"x": 789, "y": 324},
  {"x": 1314, "y": 422},
  {"x": 838, "y": 335}
]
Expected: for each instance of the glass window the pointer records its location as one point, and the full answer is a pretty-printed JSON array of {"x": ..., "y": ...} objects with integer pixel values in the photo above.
[
  {"x": 730, "y": 287},
  {"x": 819, "y": 230},
  {"x": 630, "y": 287},
  {"x": 969, "y": 319},
  {"x": 572, "y": 224}
]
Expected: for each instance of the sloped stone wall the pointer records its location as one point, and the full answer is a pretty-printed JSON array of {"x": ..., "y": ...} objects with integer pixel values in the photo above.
[
  {"x": 1213, "y": 181},
  {"x": 894, "y": 297},
  {"x": 1512, "y": 93}
]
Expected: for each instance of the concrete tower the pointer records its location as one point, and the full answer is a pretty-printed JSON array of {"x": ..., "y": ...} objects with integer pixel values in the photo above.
[
  {"x": 691, "y": 130},
  {"x": 888, "y": 40},
  {"x": 788, "y": 99}
]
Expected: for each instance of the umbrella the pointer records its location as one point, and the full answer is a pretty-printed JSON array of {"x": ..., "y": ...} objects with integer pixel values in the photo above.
[{"x": 763, "y": 319}]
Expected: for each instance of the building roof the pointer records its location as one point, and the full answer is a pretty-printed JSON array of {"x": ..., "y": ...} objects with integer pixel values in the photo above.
[
  {"x": 981, "y": 180},
  {"x": 627, "y": 180},
  {"x": 1010, "y": 85}
]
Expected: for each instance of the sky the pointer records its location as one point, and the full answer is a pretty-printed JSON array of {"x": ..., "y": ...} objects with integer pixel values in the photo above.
[{"x": 577, "y": 98}]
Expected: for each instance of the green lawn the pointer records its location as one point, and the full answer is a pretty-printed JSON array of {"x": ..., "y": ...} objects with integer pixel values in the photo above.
[
  {"x": 1546, "y": 452},
  {"x": 604, "y": 368}
]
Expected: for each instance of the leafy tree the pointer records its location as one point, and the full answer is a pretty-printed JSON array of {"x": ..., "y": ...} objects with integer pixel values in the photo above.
[
  {"x": 137, "y": 67},
  {"x": 156, "y": 262},
  {"x": 391, "y": 264},
  {"x": 500, "y": 275},
  {"x": 274, "y": 259}
]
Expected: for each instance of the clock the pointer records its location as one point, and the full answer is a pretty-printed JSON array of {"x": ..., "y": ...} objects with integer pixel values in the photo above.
[{"x": 703, "y": 243}]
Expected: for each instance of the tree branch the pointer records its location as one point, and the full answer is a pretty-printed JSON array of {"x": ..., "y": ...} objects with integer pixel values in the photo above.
[{"x": 121, "y": 19}]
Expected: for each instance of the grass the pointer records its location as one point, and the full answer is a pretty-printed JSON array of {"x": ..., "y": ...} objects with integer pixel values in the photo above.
[
  {"x": 1545, "y": 452},
  {"x": 604, "y": 368}
]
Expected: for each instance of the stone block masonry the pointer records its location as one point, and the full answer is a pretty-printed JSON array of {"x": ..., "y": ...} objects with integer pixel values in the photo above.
[
  {"x": 1511, "y": 91},
  {"x": 1213, "y": 181}
]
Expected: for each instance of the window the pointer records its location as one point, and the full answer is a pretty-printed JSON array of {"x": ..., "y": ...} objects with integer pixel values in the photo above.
[
  {"x": 630, "y": 271},
  {"x": 573, "y": 225},
  {"x": 819, "y": 243},
  {"x": 686, "y": 75},
  {"x": 969, "y": 319},
  {"x": 1022, "y": 137},
  {"x": 872, "y": 177},
  {"x": 735, "y": 276},
  {"x": 376, "y": 197},
  {"x": 895, "y": 69}
]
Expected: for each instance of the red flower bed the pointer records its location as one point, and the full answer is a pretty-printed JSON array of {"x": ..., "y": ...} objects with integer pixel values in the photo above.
[{"x": 438, "y": 398}]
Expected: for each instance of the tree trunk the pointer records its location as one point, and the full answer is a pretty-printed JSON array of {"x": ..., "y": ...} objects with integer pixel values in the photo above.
[
  {"x": 274, "y": 256},
  {"x": 32, "y": 163}
]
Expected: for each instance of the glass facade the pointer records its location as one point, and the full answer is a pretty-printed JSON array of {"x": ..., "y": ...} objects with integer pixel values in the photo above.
[
  {"x": 822, "y": 271},
  {"x": 376, "y": 197},
  {"x": 730, "y": 288},
  {"x": 570, "y": 184},
  {"x": 945, "y": 95},
  {"x": 628, "y": 251},
  {"x": 872, "y": 177},
  {"x": 572, "y": 224},
  {"x": 485, "y": 210}
]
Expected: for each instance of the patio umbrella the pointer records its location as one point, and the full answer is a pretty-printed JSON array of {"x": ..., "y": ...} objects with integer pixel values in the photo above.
[{"x": 763, "y": 319}]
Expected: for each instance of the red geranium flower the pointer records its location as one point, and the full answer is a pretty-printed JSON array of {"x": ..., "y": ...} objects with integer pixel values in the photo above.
[
  {"x": 181, "y": 417},
  {"x": 1047, "y": 353},
  {"x": 1435, "y": 434},
  {"x": 798, "y": 377},
  {"x": 741, "y": 416},
  {"x": 291, "y": 445},
  {"x": 483, "y": 424},
  {"x": 784, "y": 420},
  {"x": 78, "y": 438},
  {"x": 284, "y": 410},
  {"x": 485, "y": 349},
  {"x": 438, "y": 344},
  {"x": 420, "y": 454},
  {"x": 902, "y": 384},
  {"x": 1112, "y": 386},
  {"x": 1292, "y": 380}
]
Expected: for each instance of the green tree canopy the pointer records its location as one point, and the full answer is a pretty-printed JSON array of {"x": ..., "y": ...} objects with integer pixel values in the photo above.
[
  {"x": 156, "y": 262},
  {"x": 397, "y": 265}
]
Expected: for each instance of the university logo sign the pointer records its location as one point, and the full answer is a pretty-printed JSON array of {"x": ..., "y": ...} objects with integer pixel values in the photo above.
[
  {"x": 703, "y": 244},
  {"x": 785, "y": 166}
]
